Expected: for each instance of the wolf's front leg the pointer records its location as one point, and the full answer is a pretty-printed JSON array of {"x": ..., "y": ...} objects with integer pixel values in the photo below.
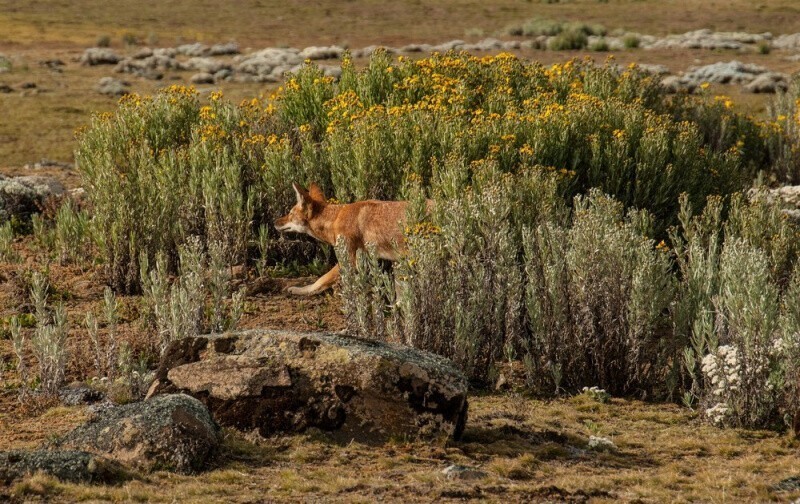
[{"x": 323, "y": 283}]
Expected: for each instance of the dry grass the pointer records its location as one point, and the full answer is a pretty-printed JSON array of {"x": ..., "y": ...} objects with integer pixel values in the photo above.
[
  {"x": 530, "y": 450},
  {"x": 269, "y": 22}
]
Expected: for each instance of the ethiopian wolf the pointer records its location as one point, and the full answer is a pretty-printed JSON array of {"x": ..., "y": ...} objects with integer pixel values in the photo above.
[{"x": 372, "y": 222}]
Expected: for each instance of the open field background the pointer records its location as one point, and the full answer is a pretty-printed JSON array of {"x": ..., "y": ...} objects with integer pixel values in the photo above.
[
  {"x": 39, "y": 123},
  {"x": 530, "y": 449}
]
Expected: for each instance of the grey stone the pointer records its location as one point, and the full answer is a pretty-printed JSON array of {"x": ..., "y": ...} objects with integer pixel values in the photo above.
[
  {"x": 206, "y": 65},
  {"x": 223, "y": 74},
  {"x": 654, "y": 69},
  {"x": 112, "y": 87},
  {"x": 675, "y": 84},
  {"x": 464, "y": 473},
  {"x": 202, "y": 78},
  {"x": 414, "y": 48},
  {"x": 601, "y": 444},
  {"x": 366, "y": 52},
  {"x": 172, "y": 431},
  {"x": 284, "y": 381},
  {"x": 67, "y": 465},
  {"x": 334, "y": 71},
  {"x": 770, "y": 82},
  {"x": 224, "y": 49},
  {"x": 99, "y": 56},
  {"x": 23, "y": 196},
  {"x": 320, "y": 53},
  {"x": 78, "y": 394},
  {"x": 451, "y": 45},
  {"x": 264, "y": 62},
  {"x": 731, "y": 72},
  {"x": 196, "y": 49}
]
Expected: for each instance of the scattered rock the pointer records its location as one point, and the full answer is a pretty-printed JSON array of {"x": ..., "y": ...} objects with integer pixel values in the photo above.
[
  {"x": 366, "y": 52},
  {"x": 206, "y": 65},
  {"x": 171, "y": 431},
  {"x": 769, "y": 82},
  {"x": 202, "y": 78},
  {"x": 77, "y": 393},
  {"x": 789, "y": 198},
  {"x": 415, "y": 48},
  {"x": 265, "y": 63},
  {"x": 71, "y": 466},
  {"x": 601, "y": 444},
  {"x": 144, "y": 52},
  {"x": 99, "y": 56},
  {"x": 790, "y": 484},
  {"x": 196, "y": 49},
  {"x": 112, "y": 87},
  {"x": 320, "y": 53},
  {"x": 23, "y": 196},
  {"x": 676, "y": 84},
  {"x": 223, "y": 74},
  {"x": 732, "y": 72},
  {"x": 284, "y": 381},
  {"x": 654, "y": 69},
  {"x": 708, "y": 39},
  {"x": 52, "y": 64},
  {"x": 787, "y": 41},
  {"x": 223, "y": 49},
  {"x": 48, "y": 163},
  {"x": 452, "y": 45},
  {"x": 464, "y": 473}
]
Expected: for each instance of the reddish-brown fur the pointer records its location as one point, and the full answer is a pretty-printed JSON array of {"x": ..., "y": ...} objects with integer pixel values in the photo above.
[{"x": 374, "y": 222}]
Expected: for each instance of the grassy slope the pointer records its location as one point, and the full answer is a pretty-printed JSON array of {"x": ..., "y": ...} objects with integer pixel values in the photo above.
[{"x": 530, "y": 451}]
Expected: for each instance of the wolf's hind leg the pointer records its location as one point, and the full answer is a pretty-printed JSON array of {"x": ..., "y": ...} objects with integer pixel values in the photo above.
[{"x": 323, "y": 283}]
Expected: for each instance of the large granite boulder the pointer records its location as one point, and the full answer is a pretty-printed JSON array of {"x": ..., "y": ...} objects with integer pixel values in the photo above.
[
  {"x": 282, "y": 381},
  {"x": 172, "y": 432}
]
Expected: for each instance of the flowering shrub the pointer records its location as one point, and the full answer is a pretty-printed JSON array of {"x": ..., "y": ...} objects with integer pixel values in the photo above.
[{"x": 554, "y": 187}]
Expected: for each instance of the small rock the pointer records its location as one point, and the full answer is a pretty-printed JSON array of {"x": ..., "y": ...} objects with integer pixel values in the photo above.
[
  {"x": 319, "y": 53},
  {"x": 770, "y": 82},
  {"x": 459, "y": 472},
  {"x": 790, "y": 484},
  {"x": 601, "y": 444},
  {"x": 654, "y": 69},
  {"x": 144, "y": 52},
  {"x": 202, "y": 78},
  {"x": 23, "y": 196},
  {"x": 5, "y": 88},
  {"x": 67, "y": 465},
  {"x": 112, "y": 87},
  {"x": 676, "y": 84},
  {"x": 99, "y": 56},
  {"x": 224, "y": 49},
  {"x": 196, "y": 49},
  {"x": 222, "y": 75},
  {"x": 170, "y": 431},
  {"x": 415, "y": 48},
  {"x": 206, "y": 65},
  {"x": 78, "y": 393}
]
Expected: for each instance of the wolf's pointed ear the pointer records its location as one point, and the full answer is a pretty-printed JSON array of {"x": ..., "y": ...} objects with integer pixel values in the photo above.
[
  {"x": 316, "y": 193},
  {"x": 302, "y": 194}
]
